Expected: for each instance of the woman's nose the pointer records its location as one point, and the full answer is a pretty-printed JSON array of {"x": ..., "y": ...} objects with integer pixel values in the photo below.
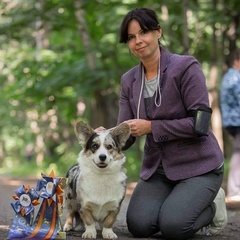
[{"x": 138, "y": 39}]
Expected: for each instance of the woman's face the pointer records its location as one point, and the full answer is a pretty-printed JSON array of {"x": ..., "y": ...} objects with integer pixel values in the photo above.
[{"x": 143, "y": 44}]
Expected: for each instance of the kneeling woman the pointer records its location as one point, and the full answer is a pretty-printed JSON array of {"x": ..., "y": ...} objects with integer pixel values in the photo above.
[{"x": 165, "y": 98}]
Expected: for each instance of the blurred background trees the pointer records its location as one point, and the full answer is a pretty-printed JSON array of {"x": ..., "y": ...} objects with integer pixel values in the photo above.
[{"x": 60, "y": 61}]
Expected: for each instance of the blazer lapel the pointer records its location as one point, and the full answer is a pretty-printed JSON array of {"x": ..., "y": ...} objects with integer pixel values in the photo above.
[{"x": 155, "y": 112}]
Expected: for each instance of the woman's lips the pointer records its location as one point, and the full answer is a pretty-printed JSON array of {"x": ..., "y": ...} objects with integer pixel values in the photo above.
[{"x": 140, "y": 49}]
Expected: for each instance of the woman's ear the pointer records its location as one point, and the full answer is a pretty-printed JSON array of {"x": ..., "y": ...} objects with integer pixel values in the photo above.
[{"x": 159, "y": 33}]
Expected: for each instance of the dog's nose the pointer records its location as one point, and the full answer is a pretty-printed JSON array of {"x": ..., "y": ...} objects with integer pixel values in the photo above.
[{"x": 102, "y": 157}]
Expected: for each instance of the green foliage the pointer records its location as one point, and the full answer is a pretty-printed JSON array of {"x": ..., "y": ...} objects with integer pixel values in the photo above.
[{"x": 51, "y": 75}]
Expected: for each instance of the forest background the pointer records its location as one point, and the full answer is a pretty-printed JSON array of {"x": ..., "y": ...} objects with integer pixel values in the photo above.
[{"x": 61, "y": 61}]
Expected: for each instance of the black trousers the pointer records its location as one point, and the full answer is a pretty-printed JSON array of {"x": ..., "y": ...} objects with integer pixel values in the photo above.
[{"x": 177, "y": 209}]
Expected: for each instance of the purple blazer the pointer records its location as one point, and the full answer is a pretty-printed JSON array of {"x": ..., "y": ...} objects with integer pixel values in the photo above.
[{"x": 173, "y": 142}]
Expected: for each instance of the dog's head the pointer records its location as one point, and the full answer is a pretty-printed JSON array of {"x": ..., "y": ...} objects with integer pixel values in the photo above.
[{"x": 103, "y": 149}]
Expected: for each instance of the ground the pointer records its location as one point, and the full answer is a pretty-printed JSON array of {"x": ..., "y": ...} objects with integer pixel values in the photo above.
[{"x": 8, "y": 185}]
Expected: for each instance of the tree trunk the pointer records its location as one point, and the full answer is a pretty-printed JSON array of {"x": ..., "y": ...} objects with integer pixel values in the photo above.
[
  {"x": 213, "y": 83},
  {"x": 185, "y": 27},
  {"x": 101, "y": 106}
]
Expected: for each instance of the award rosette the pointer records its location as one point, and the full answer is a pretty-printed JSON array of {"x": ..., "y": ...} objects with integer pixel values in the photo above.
[
  {"x": 25, "y": 200},
  {"x": 47, "y": 222}
]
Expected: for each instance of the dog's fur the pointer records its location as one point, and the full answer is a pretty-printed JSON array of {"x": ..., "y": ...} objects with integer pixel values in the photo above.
[{"x": 97, "y": 183}]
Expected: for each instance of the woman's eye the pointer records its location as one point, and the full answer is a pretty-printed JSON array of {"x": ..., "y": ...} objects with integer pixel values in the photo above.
[
  {"x": 130, "y": 38},
  {"x": 143, "y": 32}
]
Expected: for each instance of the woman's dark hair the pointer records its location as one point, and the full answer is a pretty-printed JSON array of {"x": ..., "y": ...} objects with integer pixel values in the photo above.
[{"x": 146, "y": 18}]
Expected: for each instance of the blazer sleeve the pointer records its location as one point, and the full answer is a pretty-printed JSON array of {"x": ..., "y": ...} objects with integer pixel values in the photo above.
[{"x": 186, "y": 82}]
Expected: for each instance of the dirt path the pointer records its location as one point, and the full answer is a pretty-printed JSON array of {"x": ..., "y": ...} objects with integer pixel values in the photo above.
[{"x": 8, "y": 185}]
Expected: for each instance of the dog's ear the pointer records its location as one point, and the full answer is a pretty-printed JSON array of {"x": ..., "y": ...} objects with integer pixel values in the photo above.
[
  {"x": 121, "y": 133},
  {"x": 83, "y": 132}
]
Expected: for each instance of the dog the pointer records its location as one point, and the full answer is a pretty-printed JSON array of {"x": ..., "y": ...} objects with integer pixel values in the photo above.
[{"x": 97, "y": 182}]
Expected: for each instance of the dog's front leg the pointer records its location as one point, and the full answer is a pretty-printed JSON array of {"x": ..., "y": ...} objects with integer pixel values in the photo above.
[
  {"x": 89, "y": 223},
  {"x": 108, "y": 222},
  {"x": 90, "y": 231}
]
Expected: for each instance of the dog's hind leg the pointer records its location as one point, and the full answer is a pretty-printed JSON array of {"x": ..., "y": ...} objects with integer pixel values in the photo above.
[
  {"x": 69, "y": 222},
  {"x": 79, "y": 223}
]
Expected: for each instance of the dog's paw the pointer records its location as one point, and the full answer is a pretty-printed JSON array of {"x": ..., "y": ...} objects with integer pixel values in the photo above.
[
  {"x": 108, "y": 233},
  {"x": 89, "y": 234},
  {"x": 67, "y": 227}
]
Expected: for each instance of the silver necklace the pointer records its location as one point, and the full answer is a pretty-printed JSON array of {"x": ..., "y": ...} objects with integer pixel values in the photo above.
[{"x": 158, "y": 88}]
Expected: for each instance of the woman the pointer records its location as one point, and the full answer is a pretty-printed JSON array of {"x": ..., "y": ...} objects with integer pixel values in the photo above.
[{"x": 166, "y": 99}]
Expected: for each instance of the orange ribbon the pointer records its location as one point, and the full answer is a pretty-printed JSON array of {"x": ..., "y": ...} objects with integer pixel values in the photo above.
[
  {"x": 40, "y": 220},
  {"x": 53, "y": 223}
]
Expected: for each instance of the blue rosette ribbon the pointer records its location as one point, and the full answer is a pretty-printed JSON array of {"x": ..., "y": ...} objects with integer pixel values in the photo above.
[
  {"x": 48, "y": 188},
  {"x": 26, "y": 199}
]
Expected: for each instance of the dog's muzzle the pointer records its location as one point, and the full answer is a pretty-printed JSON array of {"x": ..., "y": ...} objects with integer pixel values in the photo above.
[{"x": 102, "y": 163}]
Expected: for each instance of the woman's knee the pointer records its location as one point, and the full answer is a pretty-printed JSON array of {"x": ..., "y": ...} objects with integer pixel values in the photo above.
[
  {"x": 173, "y": 228},
  {"x": 140, "y": 227}
]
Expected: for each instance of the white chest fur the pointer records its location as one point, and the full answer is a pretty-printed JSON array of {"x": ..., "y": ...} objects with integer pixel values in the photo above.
[
  {"x": 102, "y": 193},
  {"x": 100, "y": 189}
]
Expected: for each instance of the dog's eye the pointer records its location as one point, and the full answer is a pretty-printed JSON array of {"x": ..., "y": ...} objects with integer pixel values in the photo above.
[
  {"x": 109, "y": 147},
  {"x": 95, "y": 146}
]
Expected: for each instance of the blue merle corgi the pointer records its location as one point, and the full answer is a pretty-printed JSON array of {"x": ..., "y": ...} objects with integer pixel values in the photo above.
[{"x": 97, "y": 182}]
